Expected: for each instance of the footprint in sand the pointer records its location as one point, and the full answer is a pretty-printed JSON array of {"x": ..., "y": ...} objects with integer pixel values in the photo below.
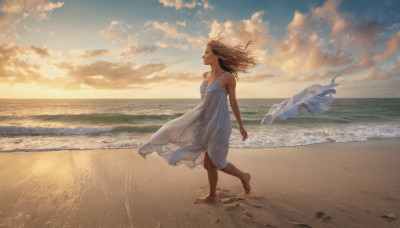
[
  {"x": 389, "y": 217},
  {"x": 321, "y": 215},
  {"x": 389, "y": 198},
  {"x": 236, "y": 204},
  {"x": 301, "y": 224},
  {"x": 231, "y": 200}
]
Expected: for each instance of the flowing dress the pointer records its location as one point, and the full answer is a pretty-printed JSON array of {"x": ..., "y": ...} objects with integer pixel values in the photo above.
[
  {"x": 313, "y": 99},
  {"x": 205, "y": 128}
]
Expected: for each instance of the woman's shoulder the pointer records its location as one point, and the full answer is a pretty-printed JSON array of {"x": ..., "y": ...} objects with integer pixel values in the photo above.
[
  {"x": 205, "y": 74},
  {"x": 228, "y": 79},
  {"x": 229, "y": 76}
]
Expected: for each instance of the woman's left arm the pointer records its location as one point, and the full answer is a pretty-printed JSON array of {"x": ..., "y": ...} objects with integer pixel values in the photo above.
[{"x": 231, "y": 89}]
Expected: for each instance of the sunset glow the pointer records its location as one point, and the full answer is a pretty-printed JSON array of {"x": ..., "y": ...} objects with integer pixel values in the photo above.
[{"x": 153, "y": 49}]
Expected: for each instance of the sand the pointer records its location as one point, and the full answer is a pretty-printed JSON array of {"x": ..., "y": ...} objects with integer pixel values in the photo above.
[{"x": 354, "y": 184}]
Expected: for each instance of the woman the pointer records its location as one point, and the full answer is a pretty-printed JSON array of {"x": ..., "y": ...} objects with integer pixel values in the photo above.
[{"x": 202, "y": 134}]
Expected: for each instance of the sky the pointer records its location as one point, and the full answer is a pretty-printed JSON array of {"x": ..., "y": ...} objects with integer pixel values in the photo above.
[{"x": 152, "y": 49}]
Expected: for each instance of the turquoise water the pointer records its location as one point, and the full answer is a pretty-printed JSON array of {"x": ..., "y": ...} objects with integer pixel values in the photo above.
[{"x": 31, "y": 125}]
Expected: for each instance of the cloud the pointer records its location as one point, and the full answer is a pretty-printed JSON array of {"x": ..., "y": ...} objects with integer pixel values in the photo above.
[
  {"x": 179, "y": 4},
  {"x": 376, "y": 73},
  {"x": 206, "y": 4},
  {"x": 124, "y": 75},
  {"x": 329, "y": 13},
  {"x": 317, "y": 44},
  {"x": 164, "y": 44},
  {"x": 31, "y": 64},
  {"x": 13, "y": 12},
  {"x": 111, "y": 31},
  {"x": 299, "y": 51},
  {"x": 96, "y": 75},
  {"x": 17, "y": 70},
  {"x": 392, "y": 46},
  {"x": 108, "y": 75},
  {"x": 135, "y": 50},
  {"x": 372, "y": 74},
  {"x": 256, "y": 77},
  {"x": 239, "y": 32},
  {"x": 181, "y": 23},
  {"x": 325, "y": 42},
  {"x": 119, "y": 32},
  {"x": 303, "y": 49},
  {"x": 39, "y": 65},
  {"x": 40, "y": 51},
  {"x": 171, "y": 32},
  {"x": 94, "y": 53},
  {"x": 29, "y": 8}
]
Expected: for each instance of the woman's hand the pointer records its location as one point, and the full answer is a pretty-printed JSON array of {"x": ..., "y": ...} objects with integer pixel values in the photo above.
[{"x": 243, "y": 132}]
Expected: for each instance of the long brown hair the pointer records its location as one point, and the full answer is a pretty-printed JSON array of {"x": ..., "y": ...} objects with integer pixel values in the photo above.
[{"x": 232, "y": 59}]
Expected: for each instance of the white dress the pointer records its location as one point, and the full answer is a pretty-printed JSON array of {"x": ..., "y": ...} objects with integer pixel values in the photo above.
[
  {"x": 313, "y": 99},
  {"x": 205, "y": 128}
]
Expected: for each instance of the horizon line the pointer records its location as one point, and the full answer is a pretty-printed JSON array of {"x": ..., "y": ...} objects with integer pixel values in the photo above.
[{"x": 179, "y": 98}]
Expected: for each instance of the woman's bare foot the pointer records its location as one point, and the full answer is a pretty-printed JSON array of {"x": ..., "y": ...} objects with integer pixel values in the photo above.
[
  {"x": 205, "y": 199},
  {"x": 246, "y": 183}
]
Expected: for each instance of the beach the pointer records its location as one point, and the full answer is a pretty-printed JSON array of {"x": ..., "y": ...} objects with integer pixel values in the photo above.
[{"x": 350, "y": 184}]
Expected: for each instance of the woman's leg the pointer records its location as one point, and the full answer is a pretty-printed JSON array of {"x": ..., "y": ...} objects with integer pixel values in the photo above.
[
  {"x": 212, "y": 180},
  {"x": 244, "y": 177},
  {"x": 212, "y": 173}
]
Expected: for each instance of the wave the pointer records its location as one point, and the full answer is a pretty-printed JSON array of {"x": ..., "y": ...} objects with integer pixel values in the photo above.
[
  {"x": 249, "y": 113},
  {"x": 80, "y": 130},
  {"x": 304, "y": 121},
  {"x": 104, "y": 118},
  {"x": 9, "y": 130},
  {"x": 52, "y": 139},
  {"x": 129, "y": 129},
  {"x": 279, "y": 136},
  {"x": 4, "y": 118}
]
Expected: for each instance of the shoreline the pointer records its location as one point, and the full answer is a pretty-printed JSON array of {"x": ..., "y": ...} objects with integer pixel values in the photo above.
[
  {"x": 350, "y": 184},
  {"x": 231, "y": 148}
]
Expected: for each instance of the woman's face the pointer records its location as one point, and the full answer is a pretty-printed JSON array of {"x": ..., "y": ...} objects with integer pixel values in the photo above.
[{"x": 209, "y": 57}]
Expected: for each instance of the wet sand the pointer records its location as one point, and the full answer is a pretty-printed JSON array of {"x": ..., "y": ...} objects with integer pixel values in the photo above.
[{"x": 354, "y": 184}]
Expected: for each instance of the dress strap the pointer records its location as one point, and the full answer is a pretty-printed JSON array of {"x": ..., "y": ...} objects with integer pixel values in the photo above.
[{"x": 220, "y": 78}]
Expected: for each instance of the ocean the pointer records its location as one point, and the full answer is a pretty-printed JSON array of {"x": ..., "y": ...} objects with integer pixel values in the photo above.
[{"x": 83, "y": 124}]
